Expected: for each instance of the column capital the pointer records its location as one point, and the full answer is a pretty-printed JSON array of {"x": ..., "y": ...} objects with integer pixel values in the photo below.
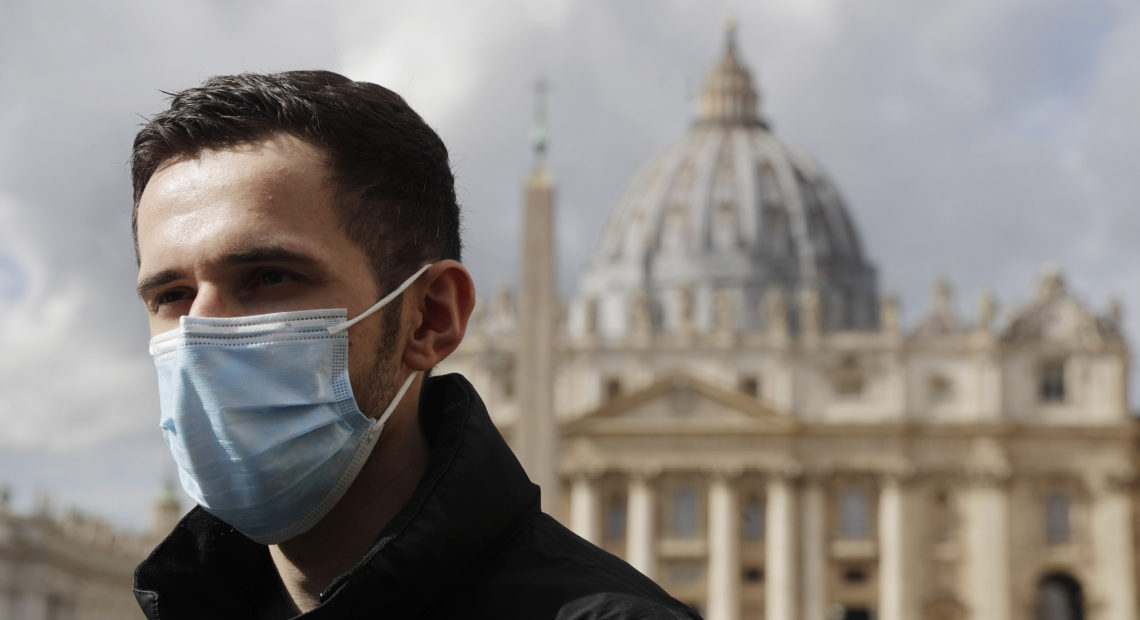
[
  {"x": 788, "y": 473},
  {"x": 645, "y": 472},
  {"x": 586, "y": 473},
  {"x": 726, "y": 472},
  {"x": 902, "y": 474},
  {"x": 817, "y": 475},
  {"x": 986, "y": 477},
  {"x": 1119, "y": 480}
]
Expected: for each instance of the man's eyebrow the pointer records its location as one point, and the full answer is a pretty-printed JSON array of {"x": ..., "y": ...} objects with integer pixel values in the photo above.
[
  {"x": 267, "y": 254},
  {"x": 156, "y": 280},
  {"x": 260, "y": 254}
]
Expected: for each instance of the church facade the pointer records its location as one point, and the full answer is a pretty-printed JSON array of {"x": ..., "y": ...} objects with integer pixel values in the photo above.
[
  {"x": 73, "y": 566},
  {"x": 729, "y": 404}
]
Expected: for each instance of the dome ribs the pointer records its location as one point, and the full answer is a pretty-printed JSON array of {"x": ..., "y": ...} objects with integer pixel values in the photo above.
[{"x": 721, "y": 218}]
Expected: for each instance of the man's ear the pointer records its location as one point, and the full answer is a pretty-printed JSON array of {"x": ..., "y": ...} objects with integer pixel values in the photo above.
[{"x": 444, "y": 297}]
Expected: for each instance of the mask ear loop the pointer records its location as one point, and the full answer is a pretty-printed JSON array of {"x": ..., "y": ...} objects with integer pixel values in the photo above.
[
  {"x": 380, "y": 304},
  {"x": 396, "y": 400}
]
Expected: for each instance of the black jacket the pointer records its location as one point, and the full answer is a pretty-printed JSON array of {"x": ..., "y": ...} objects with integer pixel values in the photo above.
[{"x": 471, "y": 543}]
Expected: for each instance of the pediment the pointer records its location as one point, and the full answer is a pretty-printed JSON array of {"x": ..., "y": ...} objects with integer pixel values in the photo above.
[
  {"x": 1061, "y": 320},
  {"x": 680, "y": 403}
]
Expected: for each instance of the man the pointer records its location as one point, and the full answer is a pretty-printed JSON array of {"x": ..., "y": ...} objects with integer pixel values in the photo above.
[{"x": 298, "y": 245}]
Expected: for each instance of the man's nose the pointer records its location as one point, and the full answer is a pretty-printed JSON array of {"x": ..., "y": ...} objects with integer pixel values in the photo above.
[{"x": 211, "y": 301}]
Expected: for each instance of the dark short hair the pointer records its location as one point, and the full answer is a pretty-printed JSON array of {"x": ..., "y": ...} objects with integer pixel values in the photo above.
[{"x": 394, "y": 189}]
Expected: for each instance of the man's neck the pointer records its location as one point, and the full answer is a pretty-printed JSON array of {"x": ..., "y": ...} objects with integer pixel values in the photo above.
[{"x": 310, "y": 562}]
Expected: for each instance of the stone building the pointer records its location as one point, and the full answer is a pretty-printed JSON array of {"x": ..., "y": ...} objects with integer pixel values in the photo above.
[
  {"x": 729, "y": 404},
  {"x": 73, "y": 567}
]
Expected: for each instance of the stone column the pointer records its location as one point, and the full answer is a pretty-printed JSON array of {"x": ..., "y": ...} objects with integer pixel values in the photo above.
[
  {"x": 813, "y": 577},
  {"x": 640, "y": 534},
  {"x": 724, "y": 548},
  {"x": 987, "y": 564},
  {"x": 585, "y": 516},
  {"x": 1111, "y": 526},
  {"x": 896, "y": 571},
  {"x": 780, "y": 549}
]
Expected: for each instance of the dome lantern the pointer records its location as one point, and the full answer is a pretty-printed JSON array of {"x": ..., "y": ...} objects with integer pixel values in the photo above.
[{"x": 728, "y": 95}]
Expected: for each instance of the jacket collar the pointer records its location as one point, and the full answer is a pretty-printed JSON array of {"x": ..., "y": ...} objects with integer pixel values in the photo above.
[{"x": 473, "y": 494}]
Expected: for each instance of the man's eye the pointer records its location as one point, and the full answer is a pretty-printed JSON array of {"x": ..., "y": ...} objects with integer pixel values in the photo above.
[
  {"x": 169, "y": 297},
  {"x": 269, "y": 278}
]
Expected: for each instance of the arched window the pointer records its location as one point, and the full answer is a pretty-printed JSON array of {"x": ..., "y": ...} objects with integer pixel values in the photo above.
[
  {"x": 1058, "y": 522},
  {"x": 853, "y": 513},
  {"x": 674, "y": 228},
  {"x": 769, "y": 185},
  {"x": 1059, "y": 598},
  {"x": 726, "y": 226}
]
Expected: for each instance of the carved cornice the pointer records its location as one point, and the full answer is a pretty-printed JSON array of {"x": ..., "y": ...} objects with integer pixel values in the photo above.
[
  {"x": 729, "y": 472},
  {"x": 585, "y": 472},
  {"x": 902, "y": 474},
  {"x": 991, "y": 478},
  {"x": 818, "y": 475},
  {"x": 1118, "y": 481},
  {"x": 647, "y": 472}
]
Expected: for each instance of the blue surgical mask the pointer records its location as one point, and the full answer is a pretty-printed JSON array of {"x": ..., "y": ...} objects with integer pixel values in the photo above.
[{"x": 260, "y": 417}]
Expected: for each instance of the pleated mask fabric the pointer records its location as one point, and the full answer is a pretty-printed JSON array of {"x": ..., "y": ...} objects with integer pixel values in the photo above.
[{"x": 260, "y": 418}]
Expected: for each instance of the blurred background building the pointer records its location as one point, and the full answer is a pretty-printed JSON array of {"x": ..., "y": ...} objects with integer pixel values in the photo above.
[
  {"x": 73, "y": 566},
  {"x": 729, "y": 404}
]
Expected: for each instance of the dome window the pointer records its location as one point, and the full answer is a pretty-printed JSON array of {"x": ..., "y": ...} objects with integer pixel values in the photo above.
[
  {"x": 769, "y": 187},
  {"x": 776, "y": 230},
  {"x": 726, "y": 228},
  {"x": 817, "y": 227},
  {"x": 673, "y": 233},
  {"x": 683, "y": 183}
]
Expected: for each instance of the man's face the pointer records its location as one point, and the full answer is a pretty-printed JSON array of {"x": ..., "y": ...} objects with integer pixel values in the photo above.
[{"x": 251, "y": 230}]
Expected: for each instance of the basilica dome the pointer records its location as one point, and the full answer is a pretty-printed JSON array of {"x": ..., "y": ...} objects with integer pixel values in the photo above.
[{"x": 720, "y": 219}]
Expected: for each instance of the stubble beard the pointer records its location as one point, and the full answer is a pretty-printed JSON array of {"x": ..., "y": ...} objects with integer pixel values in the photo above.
[{"x": 380, "y": 382}]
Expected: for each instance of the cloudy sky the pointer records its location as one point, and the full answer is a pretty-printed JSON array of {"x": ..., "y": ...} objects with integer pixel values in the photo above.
[{"x": 974, "y": 140}]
